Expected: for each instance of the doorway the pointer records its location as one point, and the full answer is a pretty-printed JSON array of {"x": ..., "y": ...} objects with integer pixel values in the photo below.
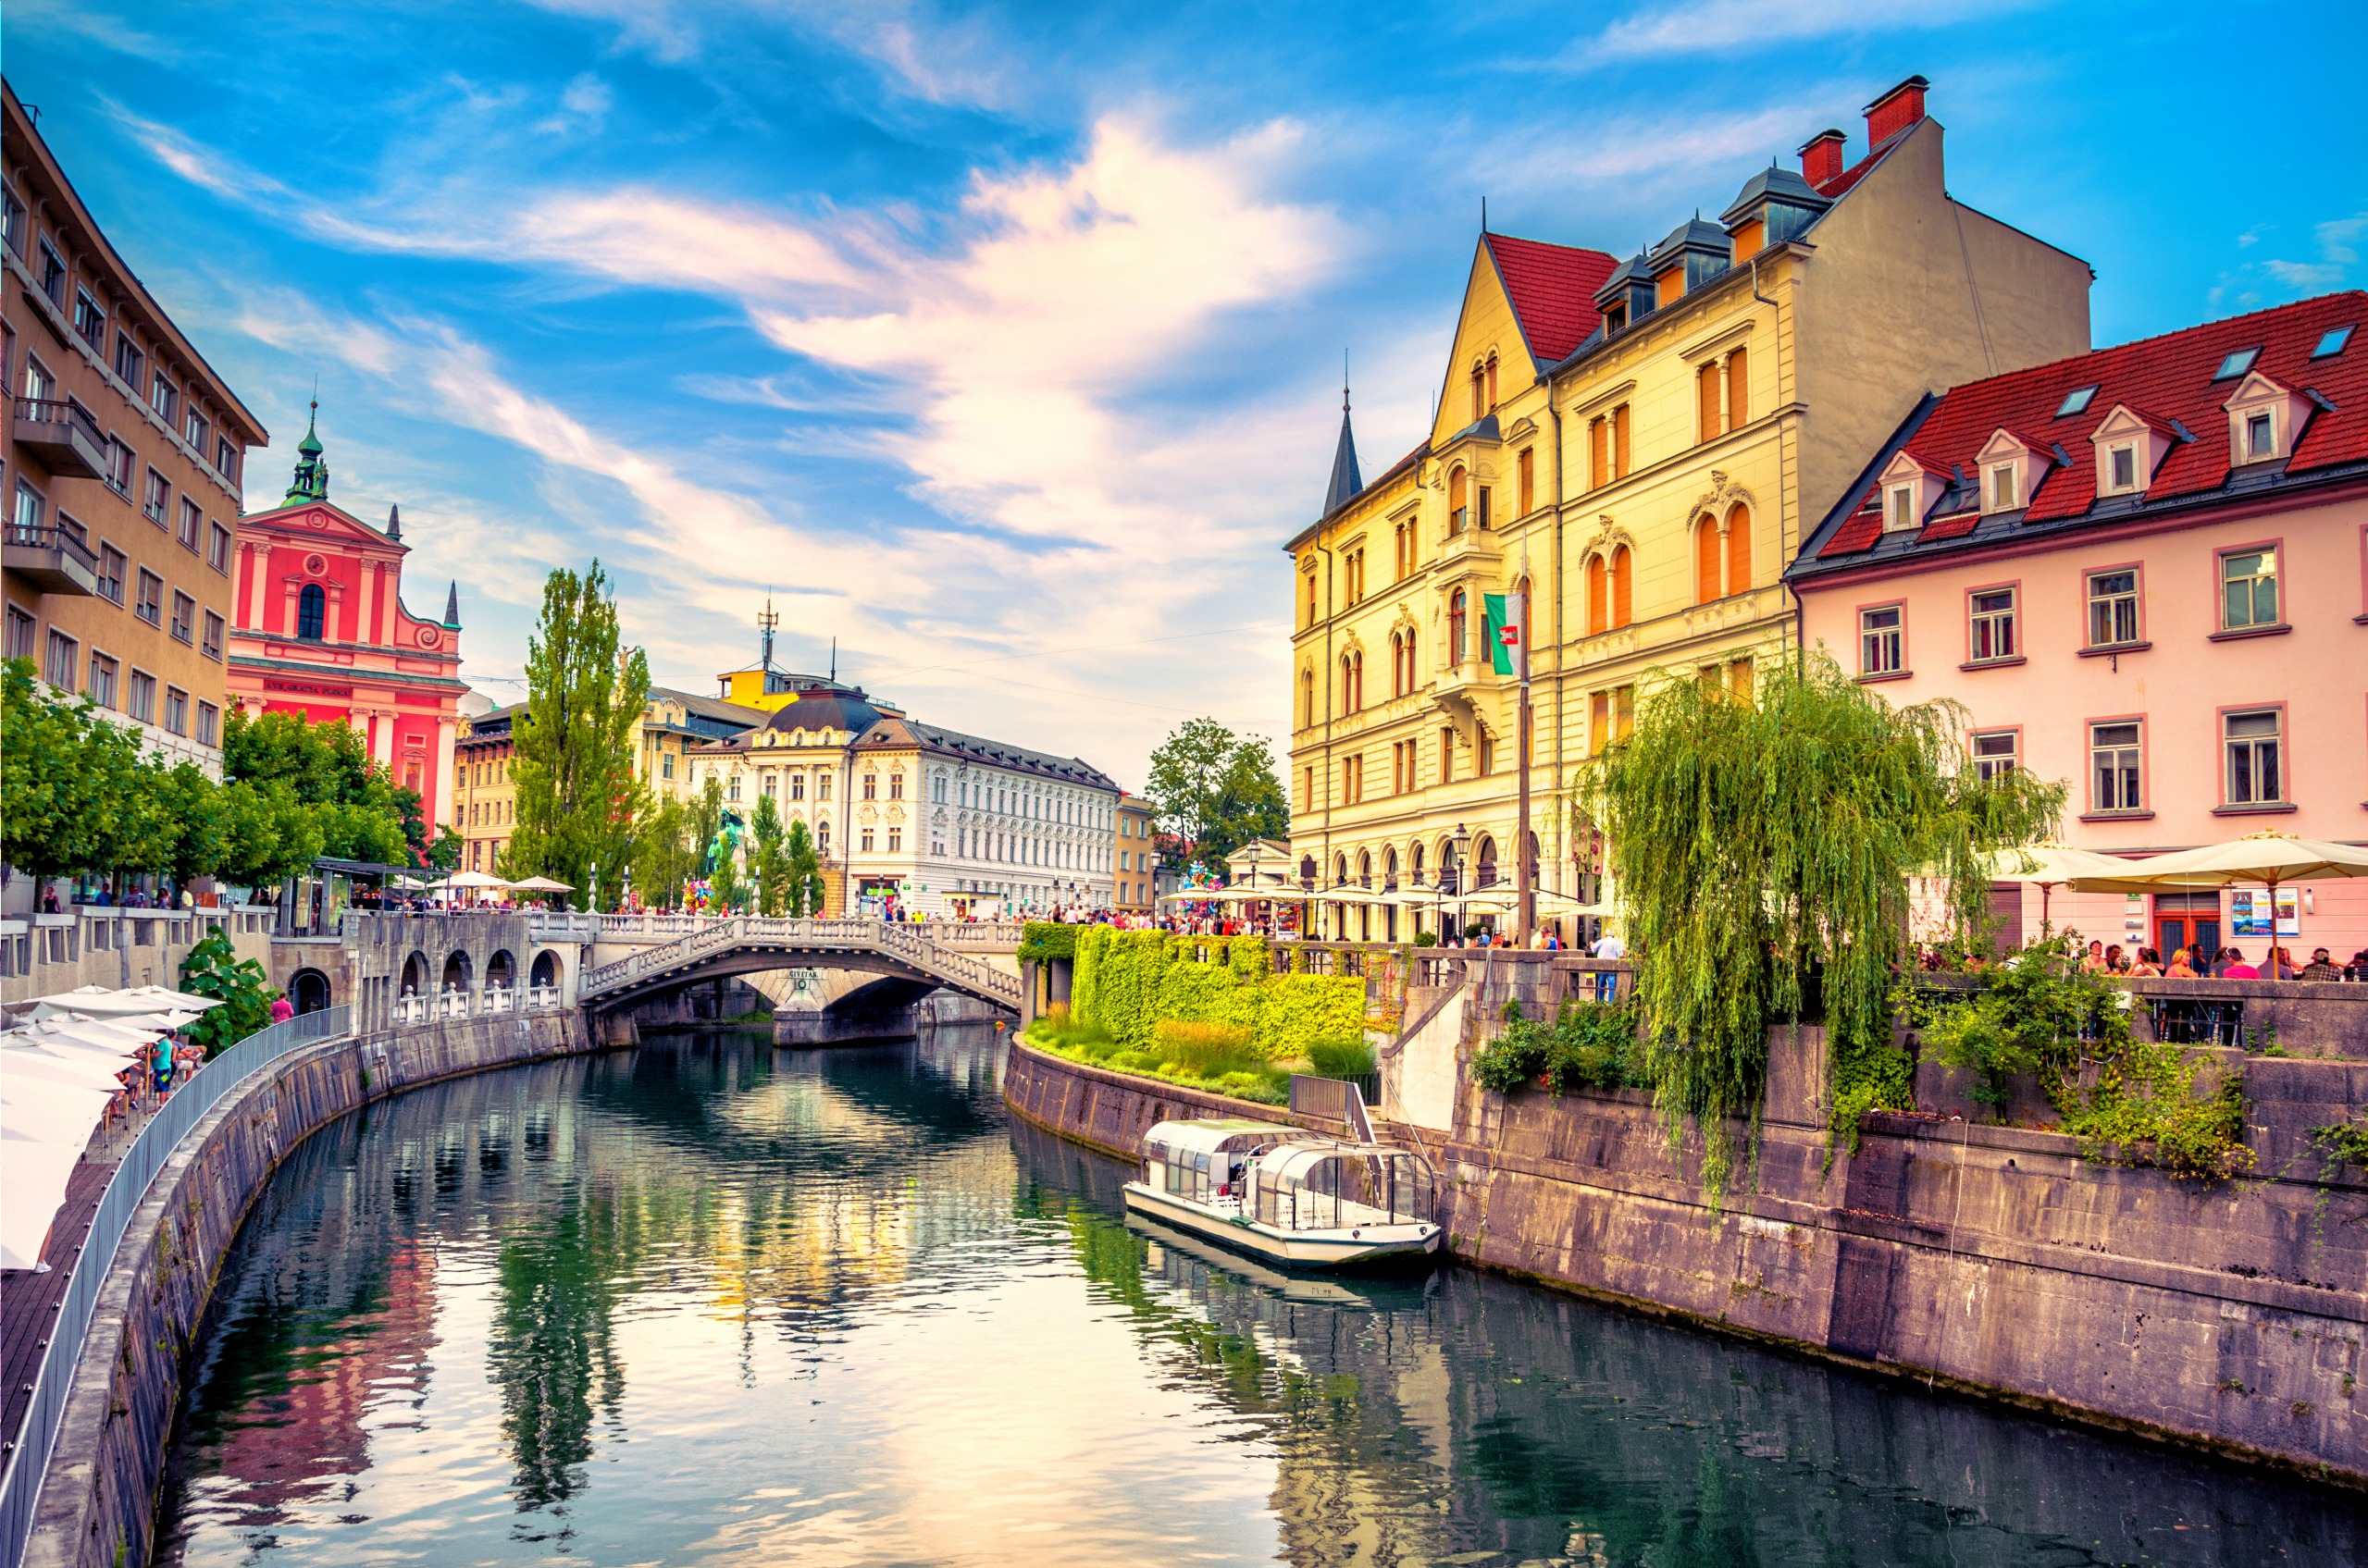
[{"x": 2190, "y": 920}]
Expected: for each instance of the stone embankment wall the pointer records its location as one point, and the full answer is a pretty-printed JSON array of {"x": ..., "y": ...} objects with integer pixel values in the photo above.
[
  {"x": 96, "y": 1507},
  {"x": 1996, "y": 1260}
]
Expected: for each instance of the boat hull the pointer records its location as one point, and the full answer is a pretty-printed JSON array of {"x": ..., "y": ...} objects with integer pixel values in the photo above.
[{"x": 1380, "y": 1246}]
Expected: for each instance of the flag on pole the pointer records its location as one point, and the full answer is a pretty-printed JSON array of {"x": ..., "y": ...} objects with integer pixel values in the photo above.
[{"x": 1506, "y": 624}]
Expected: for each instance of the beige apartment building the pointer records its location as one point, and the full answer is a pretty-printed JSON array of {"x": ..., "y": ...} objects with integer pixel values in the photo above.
[
  {"x": 1629, "y": 449},
  {"x": 1135, "y": 888},
  {"x": 124, "y": 461}
]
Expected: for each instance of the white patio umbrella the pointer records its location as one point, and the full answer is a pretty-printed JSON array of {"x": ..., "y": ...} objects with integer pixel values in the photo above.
[
  {"x": 475, "y": 880},
  {"x": 2049, "y": 865},
  {"x": 2269, "y": 857},
  {"x": 33, "y": 1173},
  {"x": 95, "y": 1001},
  {"x": 543, "y": 885}
]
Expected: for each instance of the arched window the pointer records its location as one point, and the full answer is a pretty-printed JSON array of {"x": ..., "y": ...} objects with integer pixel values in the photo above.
[
  {"x": 1352, "y": 682},
  {"x": 312, "y": 613},
  {"x": 1456, "y": 628},
  {"x": 1458, "y": 514},
  {"x": 1339, "y": 870},
  {"x": 1598, "y": 610},
  {"x": 1308, "y": 696},
  {"x": 1479, "y": 393},
  {"x": 1620, "y": 572},
  {"x": 1397, "y": 664},
  {"x": 1306, "y": 871},
  {"x": 1491, "y": 382},
  {"x": 1414, "y": 860},
  {"x": 1484, "y": 856},
  {"x": 1390, "y": 867},
  {"x": 1705, "y": 559},
  {"x": 1413, "y": 673},
  {"x": 1364, "y": 867},
  {"x": 1739, "y": 542}
]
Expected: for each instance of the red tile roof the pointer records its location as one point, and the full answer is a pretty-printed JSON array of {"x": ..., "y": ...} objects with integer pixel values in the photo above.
[
  {"x": 1553, "y": 291},
  {"x": 2168, "y": 379}
]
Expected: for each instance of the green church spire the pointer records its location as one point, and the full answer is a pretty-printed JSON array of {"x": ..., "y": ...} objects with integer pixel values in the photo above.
[{"x": 312, "y": 468}]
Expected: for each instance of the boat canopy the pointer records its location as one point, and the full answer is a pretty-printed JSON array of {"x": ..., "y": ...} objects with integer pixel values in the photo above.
[
  {"x": 1329, "y": 1186},
  {"x": 1217, "y": 1135}
]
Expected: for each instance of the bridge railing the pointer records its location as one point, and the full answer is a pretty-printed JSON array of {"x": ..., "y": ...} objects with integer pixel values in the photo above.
[
  {"x": 908, "y": 943},
  {"x": 157, "y": 1142}
]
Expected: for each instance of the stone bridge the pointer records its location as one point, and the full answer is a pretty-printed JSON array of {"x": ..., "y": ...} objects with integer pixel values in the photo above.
[{"x": 869, "y": 973}]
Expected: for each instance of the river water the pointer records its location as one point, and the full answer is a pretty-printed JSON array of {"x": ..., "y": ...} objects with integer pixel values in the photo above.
[{"x": 711, "y": 1303}]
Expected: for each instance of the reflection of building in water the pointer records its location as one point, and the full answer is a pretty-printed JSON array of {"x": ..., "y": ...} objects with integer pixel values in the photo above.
[{"x": 376, "y": 1354}]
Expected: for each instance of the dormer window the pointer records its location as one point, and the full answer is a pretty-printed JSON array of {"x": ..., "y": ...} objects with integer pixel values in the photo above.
[
  {"x": 2120, "y": 462},
  {"x": 2129, "y": 448},
  {"x": 1909, "y": 490},
  {"x": 2263, "y": 419},
  {"x": 2235, "y": 364},
  {"x": 1898, "y": 508},
  {"x": 2075, "y": 402},
  {"x": 2006, "y": 486}
]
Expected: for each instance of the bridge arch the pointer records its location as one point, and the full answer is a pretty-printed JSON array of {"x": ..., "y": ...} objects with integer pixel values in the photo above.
[
  {"x": 459, "y": 971},
  {"x": 500, "y": 970},
  {"x": 414, "y": 974}
]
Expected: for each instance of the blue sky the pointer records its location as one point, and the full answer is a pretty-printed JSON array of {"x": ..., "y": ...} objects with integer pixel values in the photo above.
[{"x": 1003, "y": 343}]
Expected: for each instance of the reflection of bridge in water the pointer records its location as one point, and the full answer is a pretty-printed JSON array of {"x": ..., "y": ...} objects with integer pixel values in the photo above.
[{"x": 853, "y": 979}]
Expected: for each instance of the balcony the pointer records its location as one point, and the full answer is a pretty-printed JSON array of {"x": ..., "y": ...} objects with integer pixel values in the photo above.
[
  {"x": 49, "y": 558},
  {"x": 62, "y": 437}
]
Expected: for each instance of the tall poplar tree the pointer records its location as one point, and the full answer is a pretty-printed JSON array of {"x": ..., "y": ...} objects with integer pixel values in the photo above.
[{"x": 578, "y": 797}]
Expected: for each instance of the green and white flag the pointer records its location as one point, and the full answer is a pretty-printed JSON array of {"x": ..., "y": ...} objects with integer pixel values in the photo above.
[{"x": 1505, "y": 621}]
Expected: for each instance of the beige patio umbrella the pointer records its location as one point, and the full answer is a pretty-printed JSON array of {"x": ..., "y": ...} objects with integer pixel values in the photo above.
[
  {"x": 34, "y": 1170},
  {"x": 2049, "y": 865},
  {"x": 543, "y": 885},
  {"x": 2269, "y": 857}
]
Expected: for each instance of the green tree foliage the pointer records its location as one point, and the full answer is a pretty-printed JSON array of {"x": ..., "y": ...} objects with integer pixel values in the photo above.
[
  {"x": 70, "y": 783},
  {"x": 663, "y": 860},
  {"x": 578, "y": 797},
  {"x": 729, "y": 890},
  {"x": 705, "y": 820},
  {"x": 769, "y": 867},
  {"x": 268, "y": 833},
  {"x": 322, "y": 772},
  {"x": 445, "y": 855},
  {"x": 1217, "y": 790},
  {"x": 801, "y": 878},
  {"x": 1759, "y": 844},
  {"x": 214, "y": 968}
]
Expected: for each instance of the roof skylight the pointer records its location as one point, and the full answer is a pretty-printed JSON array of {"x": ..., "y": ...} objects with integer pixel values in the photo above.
[
  {"x": 2075, "y": 402},
  {"x": 2236, "y": 364},
  {"x": 2333, "y": 343}
]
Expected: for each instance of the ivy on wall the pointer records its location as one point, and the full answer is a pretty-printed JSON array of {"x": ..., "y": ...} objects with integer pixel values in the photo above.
[{"x": 1127, "y": 982}]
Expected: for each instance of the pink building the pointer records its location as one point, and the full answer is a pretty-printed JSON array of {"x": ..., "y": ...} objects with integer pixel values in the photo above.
[
  {"x": 2144, "y": 572},
  {"x": 319, "y": 628}
]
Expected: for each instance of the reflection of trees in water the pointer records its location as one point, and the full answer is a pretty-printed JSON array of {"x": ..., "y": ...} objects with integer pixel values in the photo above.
[
  {"x": 552, "y": 1352},
  {"x": 1480, "y": 1414}
]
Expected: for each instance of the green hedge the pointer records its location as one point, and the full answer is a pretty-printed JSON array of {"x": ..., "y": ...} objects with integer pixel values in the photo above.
[
  {"x": 1127, "y": 981},
  {"x": 1048, "y": 939}
]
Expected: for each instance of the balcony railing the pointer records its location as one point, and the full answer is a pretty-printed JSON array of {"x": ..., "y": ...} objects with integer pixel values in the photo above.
[
  {"x": 51, "y": 557},
  {"x": 63, "y": 436}
]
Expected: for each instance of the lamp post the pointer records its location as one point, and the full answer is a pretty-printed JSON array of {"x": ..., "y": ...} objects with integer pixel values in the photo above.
[
  {"x": 1253, "y": 854},
  {"x": 1460, "y": 843}
]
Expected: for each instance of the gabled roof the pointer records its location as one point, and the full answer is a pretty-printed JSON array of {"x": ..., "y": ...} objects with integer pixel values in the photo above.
[
  {"x": 2170, "y": 379},
  {"x": 1553, "y": 291}
]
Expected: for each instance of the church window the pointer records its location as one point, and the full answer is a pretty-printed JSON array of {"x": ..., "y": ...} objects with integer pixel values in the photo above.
[{"x": 312, "y": 612}]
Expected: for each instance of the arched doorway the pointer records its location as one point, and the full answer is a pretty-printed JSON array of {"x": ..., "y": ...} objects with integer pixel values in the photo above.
[
  {"x": 457, "y": 971},
  {"x": 546, "y": 969},
  {"x": 308, "y": 992}
]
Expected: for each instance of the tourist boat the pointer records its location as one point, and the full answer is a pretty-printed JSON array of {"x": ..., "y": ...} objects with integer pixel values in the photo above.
[{"x": 1280, "y": 1194}]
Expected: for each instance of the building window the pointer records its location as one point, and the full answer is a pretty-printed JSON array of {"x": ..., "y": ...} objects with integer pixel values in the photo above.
[
  {"x": 158, "y": 499},
  {"x": 119, "y": 468},
  {"x": 870, "y": 786},
  {"x": 732, "y": 787},
  {"x": 665, "y": 765},
  {"x": 1881, "y": 644},
  {"x": 20, "y": 634},
  {"x": 796, "y": 786},
  {"x": 1992, "y": 612},
  {"x": 192, "y": 519},
  {"x": 1705, "y": 559},
  {"x": 1313, "y": 612},
  {"x": 1446, "y": 754},
  {"x": 150, "y": 606},
  {"x": 2113, "y": 767},
  {"x": 101, "y": 687},
  {"x": 1352, "y": 683},
  {"x": 1352, "y": 781},
  {"x": 2006, "y": 486},
  {"x": 53, "y": 275},
  {"x": 866, "y": 841},
  {"x": 1611, "y": 716},
  {"x": 162, "y": 398},
  {"x": 2248, "y": 589},
  {"x": 142, "y": 703},
  {"x": 30, "y": 507},
  {"x": 1459, "y": 507},
  {"x": 112, "y": 566},
  {"x": 2113, "y": 607},
  {"x": 822, "y": 838},
  {"x": 1526, "y": 466},
  {"x": 184, "y": 617},
  {"x": 312, "y": 613},
  {"x": 1994, "y": 753},
  {"x": 176, "y": 711},
  {"x": 2252, "y": 743},
  {"x": 1738, "y": 548},
  {"x": 1706, "y": 386},
  {"x": 12, "y": 221},
  {"x": 226, "y": 459},
  {"x": 2123, "y": 461},
  {"x": 57, "y": 667},
  {"x": 896, "y": 786},
  {"x": 1739, "y": 388},
  {"x": 217, "y": 548},
  {"x": 822, "y": 786},
  {"x": 209, "y": 723},
  {"x": 1621, "y": 574},
  {"x": 89, "y": 321},
  {"x": 195, "y": 428},
  {"x": 1899, "y": 511},
  {"x": 129, "y": 362},
  {"x": 1483, "y": 755},
  {"x": 896, "y": 840},
  {"x": 1458, "y": 613}
]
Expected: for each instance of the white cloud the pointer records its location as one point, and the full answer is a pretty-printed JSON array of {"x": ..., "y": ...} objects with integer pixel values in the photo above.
[{"x": 1718, "y": 26}]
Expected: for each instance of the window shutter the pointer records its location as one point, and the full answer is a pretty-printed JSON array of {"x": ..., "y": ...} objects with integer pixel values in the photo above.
[{"x": 1739, "y": 549}]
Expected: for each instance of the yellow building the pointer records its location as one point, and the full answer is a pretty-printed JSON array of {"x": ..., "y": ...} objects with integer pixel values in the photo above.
[
  {"x": 673, "y": 724},
  {"x": 1138, "y": 856},
  {"x": 485, "y": 799},
  {"x": 1633, "y": 445}
]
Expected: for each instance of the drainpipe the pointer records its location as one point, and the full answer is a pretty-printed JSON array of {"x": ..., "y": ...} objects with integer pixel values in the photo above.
[{"x": 1556, "y": 414}]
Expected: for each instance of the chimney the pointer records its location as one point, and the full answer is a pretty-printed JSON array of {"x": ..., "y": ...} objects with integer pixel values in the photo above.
[
  {"x": 1821, "y": 159},
  {"x": 1895, "y": 111}
]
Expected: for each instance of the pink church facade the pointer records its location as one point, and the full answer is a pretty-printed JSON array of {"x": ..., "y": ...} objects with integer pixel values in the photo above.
[
  {"x": 2142, "y": 572},
  {"x": 319, "y": 628}
]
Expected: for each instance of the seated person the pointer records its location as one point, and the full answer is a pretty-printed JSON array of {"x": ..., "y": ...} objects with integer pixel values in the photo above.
[
  {"x": 2320, "y": 968},
  {"x": 2234, "y": 967}
]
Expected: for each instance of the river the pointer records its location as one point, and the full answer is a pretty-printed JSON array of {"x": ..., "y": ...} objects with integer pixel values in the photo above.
[{"x": 710, "y": 1303}]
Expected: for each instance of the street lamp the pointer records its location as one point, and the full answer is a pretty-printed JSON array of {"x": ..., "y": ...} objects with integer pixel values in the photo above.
[
  {"x": 1459, "y": 845},
  {"x": 1253, "y": 851}
]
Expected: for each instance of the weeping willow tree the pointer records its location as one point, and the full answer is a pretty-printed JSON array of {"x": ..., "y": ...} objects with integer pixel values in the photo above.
[{"x": 1764, "y": 850}]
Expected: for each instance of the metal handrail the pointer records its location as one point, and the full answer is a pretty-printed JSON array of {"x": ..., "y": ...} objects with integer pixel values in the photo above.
[
  {"x": 61, "y": 411},
  {"x": 157, "y": 1144},
  {"x": 50, "y": 535}
]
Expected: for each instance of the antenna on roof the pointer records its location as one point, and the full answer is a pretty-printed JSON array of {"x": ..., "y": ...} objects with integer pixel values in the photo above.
[
  {"x": 1343, "y": 380},
  {"x": 834, "y": 660},
  {"x": 1483, "y": 215},
  {"x": 766, "y": 623}
]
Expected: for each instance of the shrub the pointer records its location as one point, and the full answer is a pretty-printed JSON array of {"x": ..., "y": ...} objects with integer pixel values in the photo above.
[
  {"x": 1048, "y": 939},
  {"x": 1590, "y": 1045},
  {"x": 1266, "y": 1087},
  {"x": 1135, "y": 1061},
  {"x": 1209, "y": 1050},
  {"x": 1426, "y": 939},
  {"x": 214, "y": 968},
  {"x": 1340, "y": 1058}
]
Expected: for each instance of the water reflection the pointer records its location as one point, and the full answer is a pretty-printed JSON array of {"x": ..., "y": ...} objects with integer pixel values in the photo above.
[{"x": 709, "y": 1302}]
